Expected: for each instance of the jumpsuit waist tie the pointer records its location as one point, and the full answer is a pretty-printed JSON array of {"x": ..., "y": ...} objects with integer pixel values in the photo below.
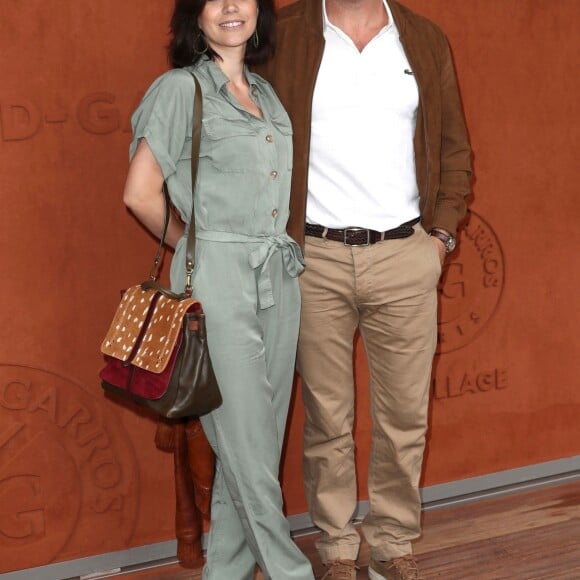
[{"x": 260, "y": 257}]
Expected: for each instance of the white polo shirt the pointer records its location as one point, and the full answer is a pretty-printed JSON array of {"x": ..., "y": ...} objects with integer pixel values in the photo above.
[{"x": 364, "y": 110}]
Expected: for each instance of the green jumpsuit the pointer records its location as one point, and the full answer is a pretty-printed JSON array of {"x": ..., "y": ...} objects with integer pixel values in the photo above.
[{"x": 246, "y": 278}]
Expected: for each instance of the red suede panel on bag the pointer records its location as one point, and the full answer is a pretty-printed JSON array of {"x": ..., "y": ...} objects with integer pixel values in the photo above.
[{"x": 137, "y": 381}]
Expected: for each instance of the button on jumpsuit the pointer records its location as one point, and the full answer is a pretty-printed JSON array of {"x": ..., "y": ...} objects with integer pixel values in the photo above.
[{"x": 246, "y": 269}]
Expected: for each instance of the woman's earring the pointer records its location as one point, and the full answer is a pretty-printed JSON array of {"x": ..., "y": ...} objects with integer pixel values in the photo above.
[
  {"x": 255, "y": 39},
  {"x": 196, "y": 48}
]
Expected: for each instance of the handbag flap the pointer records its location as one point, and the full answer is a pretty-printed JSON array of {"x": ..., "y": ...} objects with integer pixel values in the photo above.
[{"x": 145, "y": 328}]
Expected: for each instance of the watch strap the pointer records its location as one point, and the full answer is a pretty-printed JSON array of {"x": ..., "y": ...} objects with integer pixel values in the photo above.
[{"x": 447, "y": 239}]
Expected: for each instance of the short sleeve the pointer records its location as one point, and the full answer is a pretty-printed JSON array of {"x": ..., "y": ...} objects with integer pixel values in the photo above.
[{"x": 163, "y": 118}]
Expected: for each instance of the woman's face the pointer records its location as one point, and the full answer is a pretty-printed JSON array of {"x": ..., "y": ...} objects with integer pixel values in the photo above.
[{"x": 228, "y": 23}]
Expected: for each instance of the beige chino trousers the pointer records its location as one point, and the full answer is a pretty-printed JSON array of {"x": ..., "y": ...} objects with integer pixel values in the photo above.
[{"x": 389, "y": 292}]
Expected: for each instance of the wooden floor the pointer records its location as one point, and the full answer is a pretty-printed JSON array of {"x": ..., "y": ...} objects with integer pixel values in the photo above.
[{"x": 532, "y": 535}]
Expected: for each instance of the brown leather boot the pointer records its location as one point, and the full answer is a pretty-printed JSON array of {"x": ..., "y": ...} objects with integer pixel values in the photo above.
[
  {"x": 403, "y": 568},
  {"x": 340, "y": 570}
]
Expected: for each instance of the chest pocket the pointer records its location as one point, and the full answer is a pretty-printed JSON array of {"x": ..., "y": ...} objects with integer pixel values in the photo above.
[
  {"x": 283, "y": 127},
  {"x": 232, "y": 146}
]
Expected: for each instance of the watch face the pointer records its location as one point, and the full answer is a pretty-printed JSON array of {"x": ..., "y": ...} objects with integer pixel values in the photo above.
[{"x": 450, "y": 244}]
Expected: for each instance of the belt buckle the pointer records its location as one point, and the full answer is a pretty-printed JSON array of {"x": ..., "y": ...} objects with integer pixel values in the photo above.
[{"x": 345, "y": 233}]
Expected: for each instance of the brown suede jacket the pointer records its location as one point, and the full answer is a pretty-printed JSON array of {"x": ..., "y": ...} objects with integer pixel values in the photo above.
[{"x": 442, "y": 151}]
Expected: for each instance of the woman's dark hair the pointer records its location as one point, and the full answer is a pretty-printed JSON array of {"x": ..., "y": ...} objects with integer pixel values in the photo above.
[{"x": 188, "y": 42}]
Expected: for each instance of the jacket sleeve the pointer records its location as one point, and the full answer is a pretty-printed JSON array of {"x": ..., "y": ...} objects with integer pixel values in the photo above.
[{"x": 455, "y": 179}]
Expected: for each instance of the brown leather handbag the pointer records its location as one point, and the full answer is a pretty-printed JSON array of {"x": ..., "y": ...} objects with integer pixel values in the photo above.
[{"x": 156, "y": 348}]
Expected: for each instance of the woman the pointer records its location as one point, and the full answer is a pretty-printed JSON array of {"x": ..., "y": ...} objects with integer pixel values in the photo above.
[{"x": 246, "y": 264}]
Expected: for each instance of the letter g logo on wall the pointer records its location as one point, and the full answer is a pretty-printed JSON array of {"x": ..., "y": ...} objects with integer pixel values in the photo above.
[
  {"x": 96, "y": 113},
  {"x": 68, "y": 473},
  {"x": 21, "y": 509},
  {"x": 471, "y": 286}
]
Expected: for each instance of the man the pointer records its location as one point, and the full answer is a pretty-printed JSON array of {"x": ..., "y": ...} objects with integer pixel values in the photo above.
[{"x": 381, "y": 172}]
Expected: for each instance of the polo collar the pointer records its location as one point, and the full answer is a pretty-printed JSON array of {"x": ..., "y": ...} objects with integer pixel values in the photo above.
[
  {"x": 313, "y": 11},
  {"x": 327, "y": 24}
]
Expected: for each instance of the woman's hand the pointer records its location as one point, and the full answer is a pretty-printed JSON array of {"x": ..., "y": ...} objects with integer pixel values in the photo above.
[{"x": 143, "y": 195}]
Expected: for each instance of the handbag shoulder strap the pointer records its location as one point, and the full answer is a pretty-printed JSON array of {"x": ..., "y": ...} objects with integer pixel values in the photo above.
[{"x": 195, "y": 145}]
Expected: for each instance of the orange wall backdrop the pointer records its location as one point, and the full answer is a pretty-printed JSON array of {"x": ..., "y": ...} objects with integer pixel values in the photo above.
[{"x": 79, "y": 473}]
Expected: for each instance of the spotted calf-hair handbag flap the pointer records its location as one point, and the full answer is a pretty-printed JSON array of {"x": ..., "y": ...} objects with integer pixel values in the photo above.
[{"x": 145, "y": 328}]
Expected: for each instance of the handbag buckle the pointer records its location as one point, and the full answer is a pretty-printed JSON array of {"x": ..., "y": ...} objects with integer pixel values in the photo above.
[{"x": 188, "y": 275}]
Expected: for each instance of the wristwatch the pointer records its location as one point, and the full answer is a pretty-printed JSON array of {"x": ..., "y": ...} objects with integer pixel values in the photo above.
[{"x": 447, "y": 239}]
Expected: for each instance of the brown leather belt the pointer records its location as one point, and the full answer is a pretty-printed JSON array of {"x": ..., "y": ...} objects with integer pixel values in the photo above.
[{"x": 360, "y": 236}]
